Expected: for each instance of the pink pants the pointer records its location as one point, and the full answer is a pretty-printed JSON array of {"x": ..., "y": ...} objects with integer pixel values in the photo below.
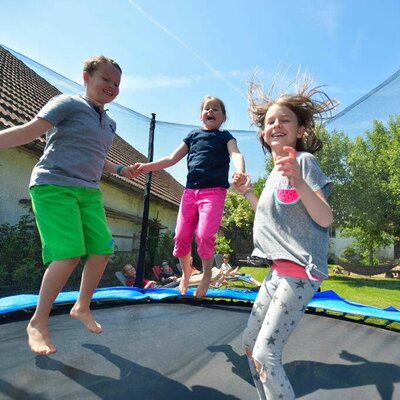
[{"x": 200, "y": 212}]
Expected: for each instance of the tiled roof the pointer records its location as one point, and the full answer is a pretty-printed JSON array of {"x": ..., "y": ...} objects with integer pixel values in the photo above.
[{"x": 23, "y": 93}]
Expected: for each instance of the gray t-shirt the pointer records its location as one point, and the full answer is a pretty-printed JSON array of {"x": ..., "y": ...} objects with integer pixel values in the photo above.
[
  {"x": 283, "y": 229},
  {"x": 76, "y": 146}
]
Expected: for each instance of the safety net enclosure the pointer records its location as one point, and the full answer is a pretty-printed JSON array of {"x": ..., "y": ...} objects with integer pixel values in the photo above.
[
  {"x": 160, "y": 345},
  {"x": 379, "y": 104},
  {"x": 134, "y": 126}
]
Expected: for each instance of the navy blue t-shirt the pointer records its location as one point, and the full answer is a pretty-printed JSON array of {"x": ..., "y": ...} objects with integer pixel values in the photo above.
[{"x": 208, "y": 158}]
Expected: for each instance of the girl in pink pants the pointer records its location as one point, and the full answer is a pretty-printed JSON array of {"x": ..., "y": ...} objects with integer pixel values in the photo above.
[{"x": 208, "y": 151}]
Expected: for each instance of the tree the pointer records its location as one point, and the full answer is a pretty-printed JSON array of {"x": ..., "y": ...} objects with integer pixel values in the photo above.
[
  {"x": 238, "y": 215},
  {"x": 238, "y": 220},
  {"x": 365, "y": 197},
  {"x": 333, "y": 159}
]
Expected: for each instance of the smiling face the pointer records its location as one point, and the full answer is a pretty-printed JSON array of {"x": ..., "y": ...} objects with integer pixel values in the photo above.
[
  {"x": 102, "y": 85},
  {"x": 212, "y": 114},
  {"x": 281, "y": 128}
]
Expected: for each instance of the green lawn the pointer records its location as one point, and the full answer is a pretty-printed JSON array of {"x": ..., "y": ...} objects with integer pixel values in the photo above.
[{"x": 372, "y": 291}]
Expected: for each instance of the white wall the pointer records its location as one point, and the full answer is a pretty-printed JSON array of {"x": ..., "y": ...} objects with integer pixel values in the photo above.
[
  {"x": 339, "y": 243},
  {"x": 16, "y": 165},
  {"x": 15, "y": 172}
]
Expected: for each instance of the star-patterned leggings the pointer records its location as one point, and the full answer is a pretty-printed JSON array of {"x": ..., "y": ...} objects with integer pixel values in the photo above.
[{"x": 278, "y": 308}]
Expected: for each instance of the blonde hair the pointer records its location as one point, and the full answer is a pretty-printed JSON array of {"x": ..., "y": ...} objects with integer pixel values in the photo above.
[
  {"x": 310, "y": 104},
  {"x": 127, "y": 267},
  {"x": 91, "y": 64}
]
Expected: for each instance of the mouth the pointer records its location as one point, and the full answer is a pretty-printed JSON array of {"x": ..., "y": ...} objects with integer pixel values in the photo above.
[
  {"x": 108, "y": 93},
  {"x": 210, "y": 118},
  {"x": 277, "y": 135}
]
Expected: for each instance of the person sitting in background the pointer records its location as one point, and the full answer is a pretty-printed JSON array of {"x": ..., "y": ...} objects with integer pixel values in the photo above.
[
  {"x": 167, "y": 275},
  {"x": 130, "y": 273},
  {"x": 226, "y": 269},
  {"x": 228, "y": 272}
]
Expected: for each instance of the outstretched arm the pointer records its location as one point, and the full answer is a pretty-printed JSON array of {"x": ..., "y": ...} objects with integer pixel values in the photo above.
[
  {"x": 245, "y": 188},
  {"x": 22, "y": 134},
  {"x": 128, "y": 171},
  {"x": 237, "y": 157},
  {"x": 163, "y": 162}
]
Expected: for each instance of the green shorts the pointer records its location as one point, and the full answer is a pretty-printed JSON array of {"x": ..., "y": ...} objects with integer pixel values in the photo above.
[{"x": 71, "y": 221}]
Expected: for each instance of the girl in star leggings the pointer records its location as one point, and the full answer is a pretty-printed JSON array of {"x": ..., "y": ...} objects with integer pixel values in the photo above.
[{"x": 290, "y": 227}]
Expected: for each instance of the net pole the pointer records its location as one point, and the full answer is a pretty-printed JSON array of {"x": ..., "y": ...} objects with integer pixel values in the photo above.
[{"x": 140, "y": 268}]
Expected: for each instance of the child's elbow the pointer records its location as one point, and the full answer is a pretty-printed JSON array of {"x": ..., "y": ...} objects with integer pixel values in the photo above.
[{"x": 326, "y": 221}]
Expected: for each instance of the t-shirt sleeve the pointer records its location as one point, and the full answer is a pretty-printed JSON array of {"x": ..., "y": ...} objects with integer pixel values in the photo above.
[
  {"x": 188, "y": 139},
  {"x": 313, "y": 175},
  {"x": 229, "y": 136},
  {"x": 56, "y": 109}
]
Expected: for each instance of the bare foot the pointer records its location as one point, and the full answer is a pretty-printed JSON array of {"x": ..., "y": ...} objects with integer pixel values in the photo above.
[
  {"x": 203, "y": 286},
  {"x": 183, "y": 285},
  {"x": 38, "y": 339},
  {"x": 87, "y": 319}
]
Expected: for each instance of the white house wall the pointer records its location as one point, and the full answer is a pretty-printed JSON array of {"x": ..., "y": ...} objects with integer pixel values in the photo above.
[
  {"x": 131, "y": 202},
  {"x": 15, "y": 172},
  {"x": 16, "y": 165},
  {"x": 339, "y": 243}
]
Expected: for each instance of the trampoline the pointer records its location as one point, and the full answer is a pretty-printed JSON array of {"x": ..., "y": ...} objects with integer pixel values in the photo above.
[{"x": 181, "y": 348}]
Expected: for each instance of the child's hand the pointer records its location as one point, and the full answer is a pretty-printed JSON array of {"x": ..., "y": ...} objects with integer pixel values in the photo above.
[
  {"x": 289, "y": 166},
  {"x": 138, "y": 168},
  {"x": 239, "y": 178},
  {"x": 129, "y": 172},
  {"x": 241, "y": 182}
]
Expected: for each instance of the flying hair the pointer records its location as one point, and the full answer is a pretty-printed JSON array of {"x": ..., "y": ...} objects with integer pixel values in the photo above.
[{"x": 312, "y": 106}]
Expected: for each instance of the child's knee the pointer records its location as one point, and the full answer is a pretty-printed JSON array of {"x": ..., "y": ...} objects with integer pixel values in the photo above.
[
  {"x": 249, "y": 351},
  {"x": 260, "y": 368},
  {"x": 205, "y": 246},
  {"x": 67, "y": 262},
  {"x": 99, "y": 258},
  {"x": 258, "y": 365},
  {"x": 182, "y": 247}
]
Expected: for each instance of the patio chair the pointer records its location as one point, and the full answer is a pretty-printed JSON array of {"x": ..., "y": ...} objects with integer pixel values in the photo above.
[
  {"x": 121, "y": 277},
  {"x": 156, "y": 271}
]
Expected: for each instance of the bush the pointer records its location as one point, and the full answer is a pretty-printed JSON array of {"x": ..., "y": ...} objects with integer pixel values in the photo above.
[
  {"x": 222, "y": 245},
  {"x": 355, "y": 254},
  {"x": 21, "y": 265},
  {"x": 22, "y": 268}
]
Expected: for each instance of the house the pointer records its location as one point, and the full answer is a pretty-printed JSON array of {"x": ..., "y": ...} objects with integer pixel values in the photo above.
[
  {"x": 338, "y": 243},
  {"x": 22, "y": 94}
]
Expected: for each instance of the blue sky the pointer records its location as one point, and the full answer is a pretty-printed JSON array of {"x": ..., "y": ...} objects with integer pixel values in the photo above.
[{"x": 173, "y": 52}]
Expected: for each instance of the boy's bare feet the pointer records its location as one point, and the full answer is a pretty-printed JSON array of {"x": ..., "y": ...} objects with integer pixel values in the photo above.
[
  {"x": 87, "y": 319},
  {"x": 203, "y": 286},
  {"x": 184, "y": 284},
  {"x": 38, "y": 339}
]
